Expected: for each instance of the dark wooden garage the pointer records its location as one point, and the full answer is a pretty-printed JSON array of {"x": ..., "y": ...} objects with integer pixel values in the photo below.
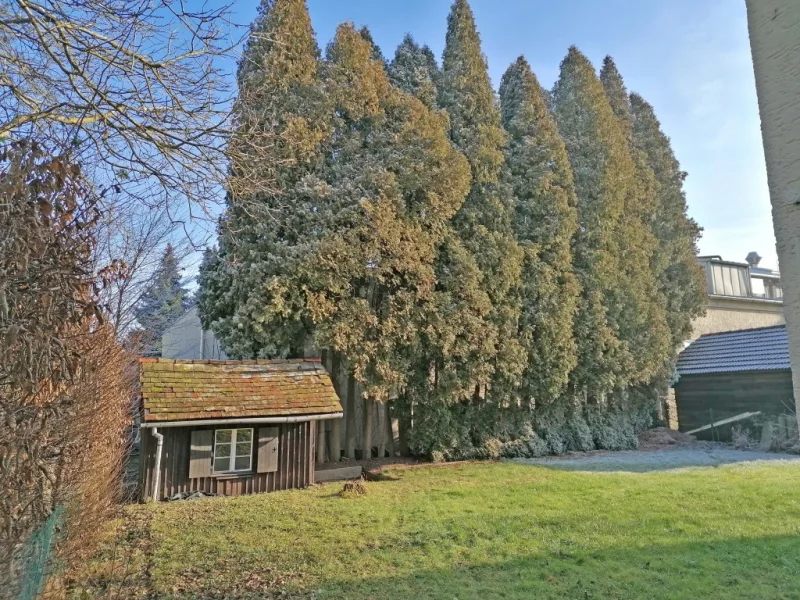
[
  {"x": 231, "y": 427},
  {"x": 723, "y": 375}
]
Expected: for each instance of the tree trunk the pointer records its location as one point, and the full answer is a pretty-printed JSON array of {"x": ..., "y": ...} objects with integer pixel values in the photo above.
[
  {"x": 350, "y": 420},
  {"x": 403, "y": 429},
  {"x": 389, "y": 430},
  {"x": 366, "y": 443},
  {"x": 335, "y": 432},
  {"x": 775, "y": 59},
  {"x": 381, "y": 429},
  {"x": 476, "y": 396},
  {"x": 336, "y": 440},
  {"x": 320, "y": 442}
]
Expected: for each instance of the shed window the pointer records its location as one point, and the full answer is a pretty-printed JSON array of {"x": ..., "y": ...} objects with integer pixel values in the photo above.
[{"x": 233, "y": 450}]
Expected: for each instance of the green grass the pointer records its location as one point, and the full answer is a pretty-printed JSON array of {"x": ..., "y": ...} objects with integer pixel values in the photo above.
[{"x": 492, "y": 531}]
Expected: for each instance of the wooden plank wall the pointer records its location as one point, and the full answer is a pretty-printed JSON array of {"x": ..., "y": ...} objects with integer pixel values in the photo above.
[
  {"x": 729, "y": 394},
  {"x": 295, "y": 464}
]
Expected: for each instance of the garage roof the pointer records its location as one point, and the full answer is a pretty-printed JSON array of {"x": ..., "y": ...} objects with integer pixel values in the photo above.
[
  {"x": 763, "y": 349},
  {"x": 181, "y": 390}
]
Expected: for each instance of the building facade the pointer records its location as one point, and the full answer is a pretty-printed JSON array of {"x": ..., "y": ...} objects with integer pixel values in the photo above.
[
  {"x": 186, "y": 339},
  {"x": 741, "y": 295}
]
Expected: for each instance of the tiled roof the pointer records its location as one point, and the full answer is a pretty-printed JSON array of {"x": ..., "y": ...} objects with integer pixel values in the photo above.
[
  {"x": 182, "y": 390},
  {"x": 764, "y": 349}
]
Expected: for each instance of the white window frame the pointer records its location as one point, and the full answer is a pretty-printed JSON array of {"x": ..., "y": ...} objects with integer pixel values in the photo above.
[{"x": 233, "y": 456}]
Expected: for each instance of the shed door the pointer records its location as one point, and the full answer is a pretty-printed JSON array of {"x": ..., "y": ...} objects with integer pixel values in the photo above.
[
  {"x": 200, "y": 453},
  {"x": 267, "y": 460}
]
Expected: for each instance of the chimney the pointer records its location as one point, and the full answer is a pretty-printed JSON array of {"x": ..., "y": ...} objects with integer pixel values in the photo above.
[{"x": 753, "y": 259}]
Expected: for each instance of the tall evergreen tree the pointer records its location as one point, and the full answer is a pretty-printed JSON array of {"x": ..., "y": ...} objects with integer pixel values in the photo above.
[
  {"x": 467, "y": 95},
  {"x": 617, "y": 94},
  {"x": 681, "y": 278},
  {"x": 649, "y": 335},
  {"x": 603, "y": 173},
  {"x": 539, "y": 173},
  {"x": 394, "y": 181},
  {"x": 484, "y": 223},
  {"x": 164, "y": 300},
  {"x": 414, "y": 70},
  {"x": 282, "y": 125},
  {"x": 376, "y": 50}
]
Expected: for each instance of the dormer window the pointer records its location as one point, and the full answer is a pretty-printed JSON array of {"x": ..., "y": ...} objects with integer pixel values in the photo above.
[{"x": 741, "y": 280}]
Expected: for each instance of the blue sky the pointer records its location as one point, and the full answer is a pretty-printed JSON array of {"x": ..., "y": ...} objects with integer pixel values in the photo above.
[{"x": 689, "y": 58}]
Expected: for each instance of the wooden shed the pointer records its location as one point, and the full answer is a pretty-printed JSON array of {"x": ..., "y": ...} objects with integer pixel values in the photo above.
[
  {"x": 231, "y": 427},
  {"x": 724, "y": 375}
]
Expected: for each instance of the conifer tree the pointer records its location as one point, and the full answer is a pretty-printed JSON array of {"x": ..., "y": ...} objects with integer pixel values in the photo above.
[
  {"x": 650, "y": 339},
  {"x": 681, "y": 278},
  {"x": 603, "y": 173},
  {"x": 484, "y": 223},
  {"x": 393, "y": 182},
  {"x": 376, "y": 50},
  {"x": 414, "y": 70},
  {"x": 467, "y": 95},
  {"x": 246, "y": 294},
  {"x": 163, "y": 302},
  {"x": 617, "y": 94},
  {"x": 539, "y": 173}
]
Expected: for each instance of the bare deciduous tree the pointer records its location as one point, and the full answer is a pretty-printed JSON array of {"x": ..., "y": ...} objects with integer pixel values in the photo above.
[
  {"x": 134, "y": 239},
  {"x": 135, "y": 88}
]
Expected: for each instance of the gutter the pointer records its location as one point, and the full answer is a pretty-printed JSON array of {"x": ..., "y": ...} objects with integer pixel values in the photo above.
[
  {"x": 157, "y": 475},
  {"x": 256, "y": 420}
]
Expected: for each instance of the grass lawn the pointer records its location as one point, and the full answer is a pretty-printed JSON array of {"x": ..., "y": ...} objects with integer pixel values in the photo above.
[{"x": 491, "y": 530}]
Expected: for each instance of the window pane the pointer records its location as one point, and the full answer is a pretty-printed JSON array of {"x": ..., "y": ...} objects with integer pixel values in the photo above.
[
  {"x": 730, "y": 281},
  {"x": 719, "y": 280},
  {"x": 244, "y": 435},
  {"x": 745, "y": 283},
  {"x": 222, "y": 451},
  {"x": 725, "y": 274},
  {"x": 223, "y": 436},
  {"x": 242, "y": 463},
  {"x": 243, "y": 449}
]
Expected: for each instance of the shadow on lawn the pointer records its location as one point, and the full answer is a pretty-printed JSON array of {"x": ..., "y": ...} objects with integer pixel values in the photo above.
[
  {"x": 762, "y": 568},
  {"x": 637, "y": 461}
]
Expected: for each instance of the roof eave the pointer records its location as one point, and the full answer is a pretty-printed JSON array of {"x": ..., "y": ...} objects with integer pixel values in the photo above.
[{"x": 243, "y": 421}]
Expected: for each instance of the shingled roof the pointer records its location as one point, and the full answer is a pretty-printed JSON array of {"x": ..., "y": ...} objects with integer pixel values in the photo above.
[
  {"x": 183, "y": 390},
  {"x": 764, "y": 349}
]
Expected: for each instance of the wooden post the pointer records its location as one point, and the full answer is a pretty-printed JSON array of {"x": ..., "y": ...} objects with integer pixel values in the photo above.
[
  {"x": 350, "y": 419},
  {"x": 366, "y": 443},
  {"x": 320, "y": 441}
]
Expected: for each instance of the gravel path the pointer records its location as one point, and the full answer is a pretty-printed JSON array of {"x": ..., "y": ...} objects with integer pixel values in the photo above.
[{"x": 640, "y": 461}]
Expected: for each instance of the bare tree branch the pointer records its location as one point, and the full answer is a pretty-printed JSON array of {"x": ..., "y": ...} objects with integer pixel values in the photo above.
[{"x": 134, "y": 88}]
